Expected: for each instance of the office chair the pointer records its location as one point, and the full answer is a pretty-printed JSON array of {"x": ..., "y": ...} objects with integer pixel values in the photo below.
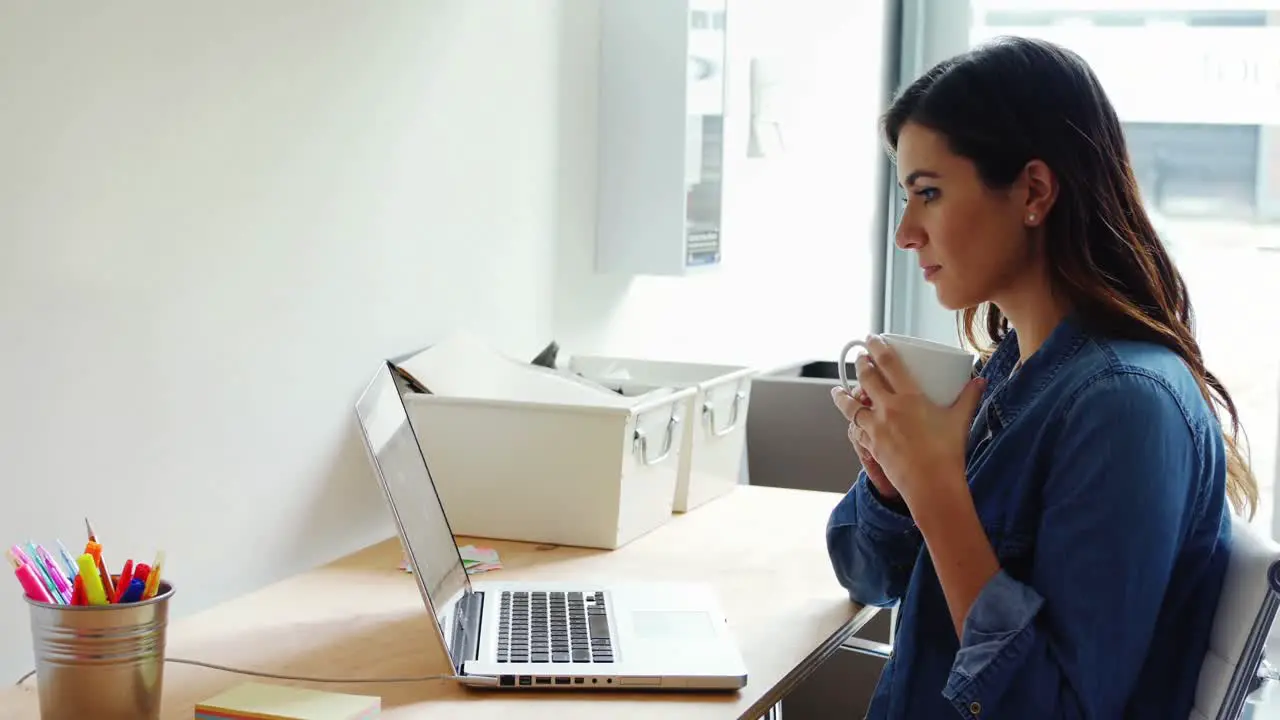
[{"x": 1234, "y": 668}]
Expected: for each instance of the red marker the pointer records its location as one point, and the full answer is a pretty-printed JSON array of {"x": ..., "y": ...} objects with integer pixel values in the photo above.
[{"x": 123, "y": 584}]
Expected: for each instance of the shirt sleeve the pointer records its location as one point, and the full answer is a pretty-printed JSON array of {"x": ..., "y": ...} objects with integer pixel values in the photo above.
[
  {"x": 872, "y": 546},
  {"x": 1123, "y": 482}
]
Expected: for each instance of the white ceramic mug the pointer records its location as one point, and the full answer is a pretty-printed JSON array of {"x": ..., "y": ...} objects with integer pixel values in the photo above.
[{"x": 940, "y": 370}]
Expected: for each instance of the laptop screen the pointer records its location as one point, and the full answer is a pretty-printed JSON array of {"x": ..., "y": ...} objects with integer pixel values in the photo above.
[{"x": 402, "y": 471}]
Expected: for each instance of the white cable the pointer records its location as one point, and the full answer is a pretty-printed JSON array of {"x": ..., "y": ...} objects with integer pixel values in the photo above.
[
  {"x": 353, "y": 681},
  {"x": 471, "y": 679}
]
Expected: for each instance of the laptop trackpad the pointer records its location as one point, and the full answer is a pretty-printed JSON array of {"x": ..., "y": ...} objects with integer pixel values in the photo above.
[{"x": 668, "y": 625}]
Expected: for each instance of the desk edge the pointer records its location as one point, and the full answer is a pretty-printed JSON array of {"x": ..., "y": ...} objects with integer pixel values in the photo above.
[{"x": 806, "y": 667}]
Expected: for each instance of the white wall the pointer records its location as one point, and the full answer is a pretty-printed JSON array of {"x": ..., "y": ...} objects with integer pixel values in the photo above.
[
  {"x": 799, "y": 229},
  {"x": 215, "y": 219}
]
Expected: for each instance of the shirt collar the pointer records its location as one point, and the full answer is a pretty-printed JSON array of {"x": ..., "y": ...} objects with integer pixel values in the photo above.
[{"x": 1008, "y": 396}]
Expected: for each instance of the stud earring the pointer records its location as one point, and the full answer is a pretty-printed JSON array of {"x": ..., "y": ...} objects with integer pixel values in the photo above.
[{"x": 1031, "y": 218}]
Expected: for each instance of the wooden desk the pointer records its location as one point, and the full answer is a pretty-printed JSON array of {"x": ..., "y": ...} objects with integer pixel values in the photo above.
[{"x": 762, "y": 548}]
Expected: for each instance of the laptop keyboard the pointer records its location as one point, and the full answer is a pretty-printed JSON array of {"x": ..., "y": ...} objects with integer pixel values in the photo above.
[{"x": 554, "y": 627}]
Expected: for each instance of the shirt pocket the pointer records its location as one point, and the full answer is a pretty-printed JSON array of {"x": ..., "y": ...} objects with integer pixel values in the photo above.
[
  {"x": 1013, "y": 542},
  {"x": 1014, "y": 547},
  {"x": 1016, "y": 551}
]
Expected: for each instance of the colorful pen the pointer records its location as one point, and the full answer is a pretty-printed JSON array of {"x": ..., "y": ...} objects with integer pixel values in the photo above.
[
  {"x": 40, "y": 570},
  {"x": 31, "y": 584},
  {"x": 122, "y": 583},
  {"x": 94, "y": 550},
  {"x": 101, "y": 562},
  {"x": 93, "y": 590},
  {"x": 55, "y": 573},
  {"x": 136, "y": 592},
  {"x": 29, "y": 558},
  {"x": 142, "y": 571},
  {"x": 20, "y": 555},
  {"x": 153, "y": 580},
  {"x": 46, "y": 572},
  {"x": 69, "y": 560}
]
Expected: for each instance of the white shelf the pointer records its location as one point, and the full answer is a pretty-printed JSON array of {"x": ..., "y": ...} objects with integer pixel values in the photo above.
[{"x": 661, "y": 128}]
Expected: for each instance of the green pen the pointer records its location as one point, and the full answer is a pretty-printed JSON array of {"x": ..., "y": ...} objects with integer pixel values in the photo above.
[{"x": 42, "y": 572}]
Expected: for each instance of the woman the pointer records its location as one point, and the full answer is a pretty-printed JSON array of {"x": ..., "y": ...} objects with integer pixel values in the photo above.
[{"x": 1058, "y": 537}]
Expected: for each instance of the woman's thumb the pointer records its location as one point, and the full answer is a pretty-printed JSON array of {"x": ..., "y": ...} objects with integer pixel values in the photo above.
[{"x": 970, "y": 397}]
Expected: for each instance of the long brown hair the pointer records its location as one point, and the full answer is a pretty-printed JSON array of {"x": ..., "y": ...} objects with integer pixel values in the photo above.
[{"x": 1014, "y": 100}]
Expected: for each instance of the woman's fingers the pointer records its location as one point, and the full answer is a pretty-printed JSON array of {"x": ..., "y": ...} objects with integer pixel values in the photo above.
[
  {"x": 890, "y": 367},
  {"x": 849, "y": 404},
  {"x": 844, "y": 402},
  {"x": 871, "y": 380},
  {"x": 858, "y": 435}
]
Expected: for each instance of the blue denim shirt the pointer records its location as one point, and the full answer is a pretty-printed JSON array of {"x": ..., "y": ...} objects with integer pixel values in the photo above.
[{"x": 1098, "y": 471}]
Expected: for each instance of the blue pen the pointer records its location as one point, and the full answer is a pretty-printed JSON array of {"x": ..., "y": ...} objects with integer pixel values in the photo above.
[
  {"x": 69, "y": 560},
  {"x": 134, "y": 593}
]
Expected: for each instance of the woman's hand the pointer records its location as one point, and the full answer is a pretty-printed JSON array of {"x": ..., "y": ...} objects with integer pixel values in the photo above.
[
  {"x": 849, "y": 405},
  {"x": 916, "y": 443}
]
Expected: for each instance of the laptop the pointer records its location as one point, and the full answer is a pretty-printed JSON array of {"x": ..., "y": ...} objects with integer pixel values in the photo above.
[{"x": 577, "y": 634}]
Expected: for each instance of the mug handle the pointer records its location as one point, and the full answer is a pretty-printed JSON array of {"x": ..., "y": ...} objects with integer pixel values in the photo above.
[{"x": 840, "y": 364}]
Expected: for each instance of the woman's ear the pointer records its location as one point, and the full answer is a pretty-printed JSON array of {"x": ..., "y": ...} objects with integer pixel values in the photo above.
[{"x": 1042, "y": 192}]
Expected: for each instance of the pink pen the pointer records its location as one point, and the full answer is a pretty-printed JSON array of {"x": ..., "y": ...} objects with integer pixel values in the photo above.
[
  {"x": 26, "y": 575},
  {"x": 20, "y": 555},
  {"x": 60, "y": 581},
  {"x": 37, "y": 568}
]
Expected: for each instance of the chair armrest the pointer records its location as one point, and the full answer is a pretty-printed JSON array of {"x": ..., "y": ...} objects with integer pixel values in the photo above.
[{"x": 1264, "y": 683}]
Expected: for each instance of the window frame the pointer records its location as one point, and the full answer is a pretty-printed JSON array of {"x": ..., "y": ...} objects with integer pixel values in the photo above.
[{"x": 929, "y": 31}]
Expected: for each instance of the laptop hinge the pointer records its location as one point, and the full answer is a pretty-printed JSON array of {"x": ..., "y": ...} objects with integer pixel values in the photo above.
[{"x": 467, "y": 616}]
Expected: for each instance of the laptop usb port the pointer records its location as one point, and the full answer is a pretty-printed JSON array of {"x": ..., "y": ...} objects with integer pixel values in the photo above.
[
  {"x": 562, "y": 681},
  {"x": 579, "y": 681},
  {"x": 542, "y": 681}
]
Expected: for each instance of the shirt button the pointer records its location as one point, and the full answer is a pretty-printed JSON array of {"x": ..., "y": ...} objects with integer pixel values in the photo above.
[{"x": 975, "y": 708}]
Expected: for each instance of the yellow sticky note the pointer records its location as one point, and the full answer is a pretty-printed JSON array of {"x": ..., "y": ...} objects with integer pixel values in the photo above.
[{"x": 260, "y": 701}]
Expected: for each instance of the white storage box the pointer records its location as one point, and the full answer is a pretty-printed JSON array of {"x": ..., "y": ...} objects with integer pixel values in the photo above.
[
  {"x": 594, "y": 476},
  {"x": 567, "y": 463},
  {"x": 714, "y": 426}
]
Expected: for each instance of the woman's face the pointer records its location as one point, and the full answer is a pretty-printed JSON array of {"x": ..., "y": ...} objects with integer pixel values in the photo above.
[{"x": 973, "y": 243}]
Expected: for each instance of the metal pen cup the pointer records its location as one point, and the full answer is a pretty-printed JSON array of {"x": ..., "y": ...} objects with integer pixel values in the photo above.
[{"x": 104, "y": 662}]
